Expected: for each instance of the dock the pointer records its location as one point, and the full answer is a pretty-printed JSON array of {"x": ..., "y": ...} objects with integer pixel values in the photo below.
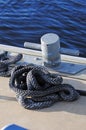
[{"x": 62, "y": 115}]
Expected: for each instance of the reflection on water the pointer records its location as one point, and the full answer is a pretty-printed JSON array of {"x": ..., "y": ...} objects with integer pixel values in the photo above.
[{"x": 28, "y": 20}]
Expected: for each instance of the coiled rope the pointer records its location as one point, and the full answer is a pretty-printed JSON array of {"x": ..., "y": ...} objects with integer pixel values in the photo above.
[
  {"x": 7, "y": 62},
  {"x": 36, "y": 88}
]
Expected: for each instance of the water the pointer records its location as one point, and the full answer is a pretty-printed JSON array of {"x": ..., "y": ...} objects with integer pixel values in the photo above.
[{"x": 28, "y": 20}]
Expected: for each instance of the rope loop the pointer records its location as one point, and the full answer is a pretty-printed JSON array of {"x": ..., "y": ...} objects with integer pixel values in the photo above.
[
  {"x": 36, "y": 88},
  {"x": 7, "y": 62}
]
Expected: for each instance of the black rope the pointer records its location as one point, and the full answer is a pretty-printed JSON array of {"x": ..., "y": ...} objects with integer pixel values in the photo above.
[
  {"x": 7, "y": 62},
  {"x": 36, "y": 88},
  {"x": 2, "y": 55}
]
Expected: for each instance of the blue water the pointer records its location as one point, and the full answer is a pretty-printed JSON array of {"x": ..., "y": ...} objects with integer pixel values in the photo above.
[{"x": 28, "y": 20}]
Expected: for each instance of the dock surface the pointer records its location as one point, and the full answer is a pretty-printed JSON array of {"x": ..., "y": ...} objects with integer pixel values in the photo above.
[{"x": 60, "y": 116}]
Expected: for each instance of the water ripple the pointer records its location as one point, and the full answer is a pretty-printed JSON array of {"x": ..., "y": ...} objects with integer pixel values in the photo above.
[{"x": 28, "y": 20}]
